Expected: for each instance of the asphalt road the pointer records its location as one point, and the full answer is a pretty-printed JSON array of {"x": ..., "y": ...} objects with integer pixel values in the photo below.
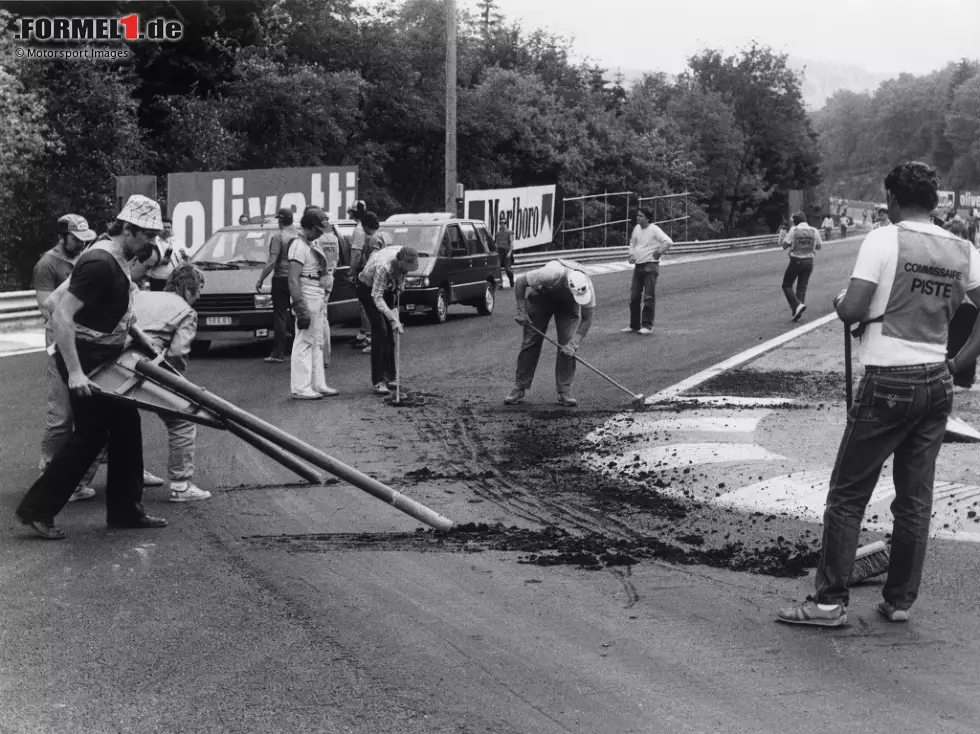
[{"x": 277, "y": 607}]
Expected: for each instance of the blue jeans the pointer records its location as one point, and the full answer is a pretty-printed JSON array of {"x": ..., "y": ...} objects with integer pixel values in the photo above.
[
  {"x": 643, "y": 291},
  {"x": 798, "y": 271},
  {"x": 900, "y": 412},
  {"x": 540, "y": 309}
]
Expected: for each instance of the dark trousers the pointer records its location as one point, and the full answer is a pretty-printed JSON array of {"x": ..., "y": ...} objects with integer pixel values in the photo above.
[
  {"x": 98, "y": 421},
  {"x": 643, "y": 296},
  {"x": 540, "y": 309},
  {"x": 507, "y": 264},
  {"x": 899, "y": 412},
  {"x": 960, "y": 328},
  {"x": 798, "y": 271},
  {"x": 382, "y": 336},
  {"x": 280, "y": 315}
]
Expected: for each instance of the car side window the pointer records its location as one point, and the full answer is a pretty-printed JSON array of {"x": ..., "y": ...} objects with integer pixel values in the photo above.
[
  {"x": 455, "y": 240},
  {"x": 474, "y": 245},
  {"x": 485, "y": 236}
]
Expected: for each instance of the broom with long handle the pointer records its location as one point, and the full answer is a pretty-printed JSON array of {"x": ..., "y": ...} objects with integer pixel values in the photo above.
[{"x": 872, "y": 559}]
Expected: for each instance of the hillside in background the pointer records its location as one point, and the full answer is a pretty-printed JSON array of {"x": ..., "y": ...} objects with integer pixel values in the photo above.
[{"x": 820, "y": 79}]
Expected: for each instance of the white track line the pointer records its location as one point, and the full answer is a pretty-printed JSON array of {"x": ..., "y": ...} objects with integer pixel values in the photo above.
[{"x": 739, "y": 359}]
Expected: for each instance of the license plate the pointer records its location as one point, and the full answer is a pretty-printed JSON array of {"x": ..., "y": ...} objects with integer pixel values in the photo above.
[
  {"x": 217, "y": 321},
  {"x": 261, "y": 332},
  {"x": 409, "y": 306}
]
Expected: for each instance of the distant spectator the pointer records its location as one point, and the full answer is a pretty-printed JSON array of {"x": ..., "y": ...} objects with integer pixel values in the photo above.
[
  {"x": 357, "y": 213},
  {"x": 882, "y": 219},
  {"x": 243, "y": 219},
  {"x": 504, "y": 242},
  {"x": 827, "y": 225},
  {"x": 647, "y": 244},
  {"x": 845, "y": 222}
]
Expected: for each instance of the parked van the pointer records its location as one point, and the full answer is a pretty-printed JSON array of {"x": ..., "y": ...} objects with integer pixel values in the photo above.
[
  {"x": 458, "y": 263},
  {"x": 229, "y": 309}
]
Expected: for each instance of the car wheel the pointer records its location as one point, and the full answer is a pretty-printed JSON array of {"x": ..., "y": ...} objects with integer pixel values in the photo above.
[
  {"x": 440, "y": 309},
  {"x": 485, "y": 307},
  {"x": 200, "y": 346}
]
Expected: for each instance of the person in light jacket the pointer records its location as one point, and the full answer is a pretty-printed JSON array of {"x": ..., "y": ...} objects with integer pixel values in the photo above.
[{"x": 647, "y": 244}]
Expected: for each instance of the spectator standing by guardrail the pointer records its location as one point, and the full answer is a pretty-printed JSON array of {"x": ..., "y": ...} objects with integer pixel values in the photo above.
[
  {"x": 91, "y": 325},
  {"x": 801, "y": 241},
  {"x": 53, "y": 269},
  {"x": 503, "y": 240},
  {"x": 307, "y": 271},
  {"x": 646, "y": 246},
  {"x": 908, "y": 280},
  {"x": 278, "y": 265},
  {"x": 845, "y": 222}
]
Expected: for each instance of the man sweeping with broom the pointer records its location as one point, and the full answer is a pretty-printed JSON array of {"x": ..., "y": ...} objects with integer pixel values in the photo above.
[
  {"x": 560, "y": 288},
  {"x": 909, "y": 279}
]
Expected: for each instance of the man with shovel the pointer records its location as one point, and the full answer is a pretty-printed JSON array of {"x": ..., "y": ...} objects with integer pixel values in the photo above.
[{"x": 560, "y": 288}]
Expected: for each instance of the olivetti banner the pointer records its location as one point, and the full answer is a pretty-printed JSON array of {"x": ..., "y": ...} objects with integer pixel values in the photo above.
[
  {"x": 202, "y": 203},
  {"x": 529, "y": 212}
]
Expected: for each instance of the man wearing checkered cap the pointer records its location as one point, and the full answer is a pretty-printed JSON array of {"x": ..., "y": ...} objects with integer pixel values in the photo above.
[{"x": 91, "y": 324}]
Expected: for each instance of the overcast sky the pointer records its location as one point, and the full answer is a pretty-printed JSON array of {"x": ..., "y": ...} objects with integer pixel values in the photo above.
[{"x": 886, "y": 36}]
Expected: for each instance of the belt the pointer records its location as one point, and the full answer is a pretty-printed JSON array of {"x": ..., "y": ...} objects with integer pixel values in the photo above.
[
  {"x": 310, "y": 277},
  {"x": 873, "y": 369}
]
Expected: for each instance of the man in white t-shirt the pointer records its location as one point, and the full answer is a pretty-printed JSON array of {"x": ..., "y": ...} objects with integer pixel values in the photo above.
[
  {"x": 307, "y": 280},
  {"x": 908, "y": 281},
  {"x": 827, "y": 225},
  {"x": 559, "y": 288},
  {"x": 647, "y": 244}
]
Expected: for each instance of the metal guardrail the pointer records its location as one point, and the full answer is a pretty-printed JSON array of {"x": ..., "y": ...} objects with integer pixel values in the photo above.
[{"x": 20, "y": 307}]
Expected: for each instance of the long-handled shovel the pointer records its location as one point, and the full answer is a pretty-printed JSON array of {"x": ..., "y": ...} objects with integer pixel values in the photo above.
[
  {"x": 398, "y": 354},
  {"x": 848, "y": 375},
  {"x": 638, "y": 398}
]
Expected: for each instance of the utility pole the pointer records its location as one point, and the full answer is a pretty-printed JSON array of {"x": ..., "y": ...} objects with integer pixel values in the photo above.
[{"x": 450, "y": 195}]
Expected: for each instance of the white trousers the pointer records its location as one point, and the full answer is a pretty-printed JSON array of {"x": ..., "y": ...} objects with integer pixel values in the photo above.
[{"x": 306, "y": 364}]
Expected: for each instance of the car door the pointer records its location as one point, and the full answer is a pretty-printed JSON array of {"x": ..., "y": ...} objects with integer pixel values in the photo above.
[
  {"x": 343, "y": 305},
  {"x": 460, "y": 263},
  {"x": 479, "y": 257},
  {"x": 493, "y": 259}
]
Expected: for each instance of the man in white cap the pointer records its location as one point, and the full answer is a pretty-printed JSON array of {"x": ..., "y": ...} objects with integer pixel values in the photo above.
[
  {"x": 53, "y": 269},
  {"x": 560, "y": 288},
  {"x": 90, "y": 326}
]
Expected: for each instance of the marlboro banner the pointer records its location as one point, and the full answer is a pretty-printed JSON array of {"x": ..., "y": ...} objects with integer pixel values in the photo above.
[
  {"x": 202, "y": 203},
  {"x": 529, "y": 212}
]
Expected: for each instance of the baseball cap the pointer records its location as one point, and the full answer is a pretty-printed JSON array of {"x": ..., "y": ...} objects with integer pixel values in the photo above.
[
  {"x": 285, "y": 215},
  {"x": 143, "y": 212},
  {"x": 76, "y": 225},
  {"x": 580, "y": 286},
  {"x": 359, "y": 207},
  {"x": 316, "y": 218}
]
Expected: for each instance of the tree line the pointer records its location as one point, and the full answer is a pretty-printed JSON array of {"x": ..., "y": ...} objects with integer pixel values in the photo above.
[
  {"x": 934, "y": 118},
  {"x": 276, "y": 83}
]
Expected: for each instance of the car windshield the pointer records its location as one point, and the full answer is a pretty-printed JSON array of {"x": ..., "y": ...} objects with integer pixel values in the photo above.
[
  {"x": 423, "y": 237},
  {"x": 235, "y": 248}
]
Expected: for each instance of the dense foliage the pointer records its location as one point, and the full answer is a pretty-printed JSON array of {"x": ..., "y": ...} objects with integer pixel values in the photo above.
[
  {"x": 266, "y": 83},
  {"x": 935, "y": 118}
]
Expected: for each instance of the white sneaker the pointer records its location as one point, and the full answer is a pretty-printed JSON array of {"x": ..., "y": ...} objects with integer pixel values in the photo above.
[
  {"x": 628, "y": 330},
  {"x": 307, "y": 396},
  {"x": 151, "y": 480},
  {"x": 645, "y": 331},
  {"x": 82, "y": 493},
  {"x": 328, "y": 391},
  {"x": 187, "y": 492},
  {"x": 381, "y": 389}
]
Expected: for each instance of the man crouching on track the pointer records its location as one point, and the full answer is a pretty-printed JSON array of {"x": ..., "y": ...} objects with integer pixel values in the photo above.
[{"x": 561, "y": 289}]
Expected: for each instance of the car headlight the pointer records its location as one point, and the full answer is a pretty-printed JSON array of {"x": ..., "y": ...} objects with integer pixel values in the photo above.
[
  {"x": 263, "y": 300},
  {"x": 417, "y": 281}
]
